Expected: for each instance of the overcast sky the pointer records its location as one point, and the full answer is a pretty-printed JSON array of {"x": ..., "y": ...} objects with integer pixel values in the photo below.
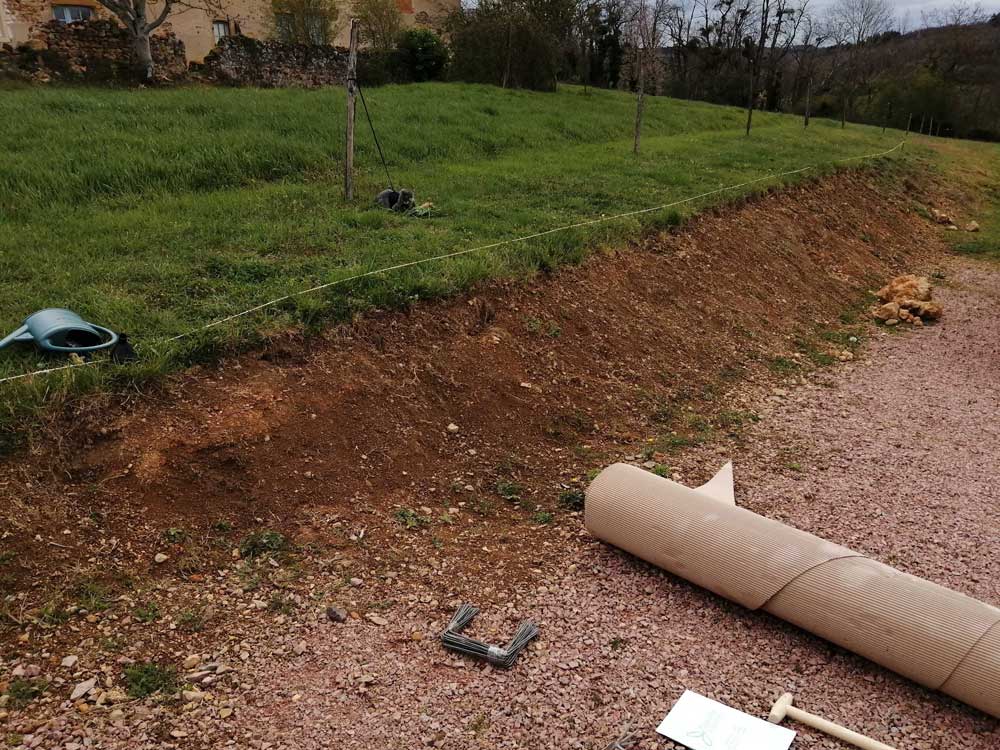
[{"x": 913, "y": 8}]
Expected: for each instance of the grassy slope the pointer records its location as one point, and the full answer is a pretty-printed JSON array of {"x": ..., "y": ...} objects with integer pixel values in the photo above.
[
  {"x": 157, "y": 211},
  {"x": 976, "y": 168}
]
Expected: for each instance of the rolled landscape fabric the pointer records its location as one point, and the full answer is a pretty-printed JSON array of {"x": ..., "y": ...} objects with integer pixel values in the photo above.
[{"x": 936, "y": 637}]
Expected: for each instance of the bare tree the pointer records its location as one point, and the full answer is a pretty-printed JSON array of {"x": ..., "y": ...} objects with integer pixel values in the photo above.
[
  {"x": 141, "y": 20},
  {"x": 804, "y": 55},
  {"x": 679, "y": 31},
  {"x": 776, "y": 30},
  {"x": 850, "y": 24},
  {"x": 646, "y": 26},
  {"x": 381, "y": 22},
  {"x": 306, "y": 21},
  {"x": 957, "y": 14},
  {"x": 855, "y": 22}
]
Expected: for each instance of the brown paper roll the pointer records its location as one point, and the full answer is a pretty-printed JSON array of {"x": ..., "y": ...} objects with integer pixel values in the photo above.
[{"x": 935, "y": 636}]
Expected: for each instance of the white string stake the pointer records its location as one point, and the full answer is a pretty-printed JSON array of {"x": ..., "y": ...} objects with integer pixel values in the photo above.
[{"x": 467, "y": 251}]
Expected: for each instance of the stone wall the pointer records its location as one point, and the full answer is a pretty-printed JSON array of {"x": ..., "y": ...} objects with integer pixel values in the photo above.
[
  {"x": 242, "y": 61},
  {"x": 93, "y": 51}
]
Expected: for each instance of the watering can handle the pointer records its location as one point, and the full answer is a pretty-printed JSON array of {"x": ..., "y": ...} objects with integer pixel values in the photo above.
[
  {"x": 112, "y": 340},
  {"x": 7, "y": 340}
]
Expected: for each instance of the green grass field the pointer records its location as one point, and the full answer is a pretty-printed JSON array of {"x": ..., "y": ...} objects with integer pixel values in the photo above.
[{"x": 158, "y": 211}]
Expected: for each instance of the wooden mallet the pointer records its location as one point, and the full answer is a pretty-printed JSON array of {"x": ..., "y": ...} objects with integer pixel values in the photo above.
[{"x": 783, "y": 707}]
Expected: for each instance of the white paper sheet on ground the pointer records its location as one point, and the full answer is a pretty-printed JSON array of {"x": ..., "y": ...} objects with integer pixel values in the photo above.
[{"x": 704, "y": 724}]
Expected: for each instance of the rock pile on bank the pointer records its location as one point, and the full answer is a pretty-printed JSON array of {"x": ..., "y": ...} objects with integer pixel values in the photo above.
[{"x": 907, "y": 299}]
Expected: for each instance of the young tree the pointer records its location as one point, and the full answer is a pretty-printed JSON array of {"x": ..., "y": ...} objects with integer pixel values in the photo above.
[
  {"x": 646, "y": 27},
  {"x": 141, "y": 20},
  {"x": 380, "y": 22},
  {"x": 804, "y": 54}
]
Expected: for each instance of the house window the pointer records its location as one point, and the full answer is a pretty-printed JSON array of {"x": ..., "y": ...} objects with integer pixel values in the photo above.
[
  {"x": 71, "y": 13},
  {"x": 220, "y": 30}
]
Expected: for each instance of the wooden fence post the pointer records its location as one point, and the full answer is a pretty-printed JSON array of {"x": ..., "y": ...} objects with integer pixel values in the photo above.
[
  {"x": 909, "y": 121},
  {"x": 352, "y": 92}
]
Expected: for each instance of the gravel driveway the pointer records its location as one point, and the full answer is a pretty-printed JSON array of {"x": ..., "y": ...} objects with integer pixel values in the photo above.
[{"x": 895, "y": 455}]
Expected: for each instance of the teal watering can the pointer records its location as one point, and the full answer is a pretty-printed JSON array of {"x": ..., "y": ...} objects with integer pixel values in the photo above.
[{"x": 56, "y": 330}]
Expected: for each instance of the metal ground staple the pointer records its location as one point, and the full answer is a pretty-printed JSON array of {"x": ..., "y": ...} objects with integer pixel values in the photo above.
[{"x": 503, "y": 657}]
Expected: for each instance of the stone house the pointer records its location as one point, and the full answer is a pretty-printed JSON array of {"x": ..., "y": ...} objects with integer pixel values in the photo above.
[{"x": 198, "y": 29}]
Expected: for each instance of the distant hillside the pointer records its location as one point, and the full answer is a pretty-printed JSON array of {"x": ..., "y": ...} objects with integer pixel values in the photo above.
[{"x": 950, "y": 73}]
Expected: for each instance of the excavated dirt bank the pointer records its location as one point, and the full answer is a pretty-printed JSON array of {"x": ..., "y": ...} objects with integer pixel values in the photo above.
[
  {"x": 544, "y": 381},
  {"x": 344, "y": 444}
]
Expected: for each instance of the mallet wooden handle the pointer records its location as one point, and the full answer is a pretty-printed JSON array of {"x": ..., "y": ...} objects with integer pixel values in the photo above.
[
  {"x": 835, "y": 730},
  {"x": 783, "y": 707}
]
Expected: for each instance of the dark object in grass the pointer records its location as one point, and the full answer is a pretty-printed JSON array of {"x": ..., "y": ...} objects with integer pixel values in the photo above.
[
  {"x": 399, "y": 201},
  {"x": 503, "y": 657},
  {"x": 123, "y": 353}
]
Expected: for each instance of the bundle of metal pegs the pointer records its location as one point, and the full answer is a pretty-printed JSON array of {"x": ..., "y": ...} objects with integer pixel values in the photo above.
[{"x": 503, "y": 657}]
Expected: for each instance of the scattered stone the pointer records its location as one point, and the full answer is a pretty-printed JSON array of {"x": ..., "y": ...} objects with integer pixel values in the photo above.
[
  {"x": 300, "y": 648},
  {"x": 191, "y": 662},
  {"x": 192, "y": 696},
  {"x": 452, "y": 428},
  {"x": 886, "y": 311},
  {"x": 972, "y": 226},
  {"x": 116, "y": 715},
  {"x": 377, "y": 619},
  {"x": 336, "y": 614},
  {"x": 160, "y": 558},
  {"x": 82, "y": 689},
  {"x": 70, "y": 661},
  {"x": 892, "y": 322},
  {"x": 225, "y": 713},
  {"x": 928, "y": 310},
  {"x": 941, "y": 217},
  {"x": 908, "y": 286},
  {"x": 357, "y": 582}
]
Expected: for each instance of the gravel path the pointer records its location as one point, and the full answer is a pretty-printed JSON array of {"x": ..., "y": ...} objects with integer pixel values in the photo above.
[
  {"x": 894, "y": 455},
  {"x": 897, "y": 459}
]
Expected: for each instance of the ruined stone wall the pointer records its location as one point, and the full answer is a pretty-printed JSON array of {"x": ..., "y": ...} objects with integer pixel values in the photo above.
[
  {"x": 242, "y": 61},
  {"x": 21, "y": 20},
  {"x": 95, "y": 50}
]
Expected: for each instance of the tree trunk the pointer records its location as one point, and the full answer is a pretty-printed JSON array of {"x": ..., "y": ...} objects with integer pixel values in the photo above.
[
  {"x": 506, "y": 68},
  {"x": 753, "y": 85},
  {"x": 143, "y": 56},
  {"x": 843, "y": 113},
  {"x": 640, "y": 101},
  {"x": 805, "y": 118}
]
